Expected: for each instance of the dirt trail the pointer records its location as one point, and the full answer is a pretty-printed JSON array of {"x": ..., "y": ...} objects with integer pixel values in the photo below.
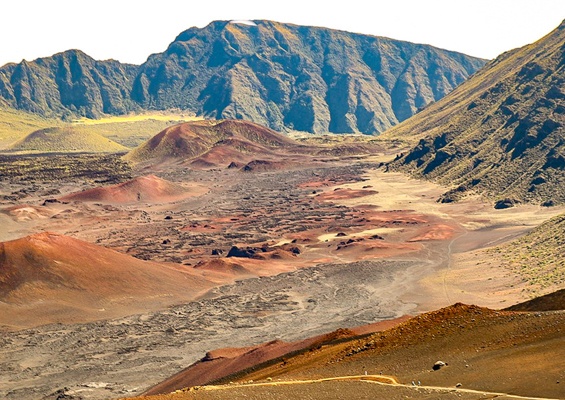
[
  {"x": 378, "y": 379},
  {"x": 449, "y": 262}
]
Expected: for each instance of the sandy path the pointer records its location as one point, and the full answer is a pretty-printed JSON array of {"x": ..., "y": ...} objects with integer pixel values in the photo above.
[
  {"x": 451, "y": 269},
  {"x": 376, "y": 379}
]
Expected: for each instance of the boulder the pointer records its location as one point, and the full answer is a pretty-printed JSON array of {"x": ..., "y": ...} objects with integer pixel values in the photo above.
[
  {"x": 244, "y": 253},
  {"x": 505, "y": 203},
  {"x": 439, "y": 365}
]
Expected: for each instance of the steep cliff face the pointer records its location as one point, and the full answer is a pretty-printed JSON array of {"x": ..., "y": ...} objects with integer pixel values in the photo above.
[
  {"x": 296, "y": 77},
  {"x": 501, "y": 132},
  {"x": 279, "y": 75},
  {"x": 69, "y": 83}
]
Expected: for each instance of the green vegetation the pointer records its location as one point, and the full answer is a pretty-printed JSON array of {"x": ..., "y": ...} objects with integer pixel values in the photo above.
[
  {"x": 15, "y": 124},
  {"x": 502, "y": 132},
  {"x": 85, "y": 168},
  {"x": 131, "y": 130},
  {"x": 18, "y": 131},
  {"x": 64, "y": 140},
  {"x": 538, "y": 257}
]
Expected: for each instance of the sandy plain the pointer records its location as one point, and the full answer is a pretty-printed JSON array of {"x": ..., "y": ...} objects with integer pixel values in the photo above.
[{"x": 372, "y": 246}]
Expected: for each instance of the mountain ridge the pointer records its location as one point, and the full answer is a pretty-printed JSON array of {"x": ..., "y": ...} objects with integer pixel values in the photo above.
[
  {"x": 501, "y": 132},
  {"x": 296, "y": 77},
  {"x": 284, "y": 76},
  {"x": 68, "y": 83}
]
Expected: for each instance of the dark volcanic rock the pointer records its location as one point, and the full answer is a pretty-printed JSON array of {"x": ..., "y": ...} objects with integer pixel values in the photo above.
[
  {"x": 438, "y": 365},
  {"x": 505, "y": 203},
  {"x": 61, "y": 394},
  {"x": 49, "y": 201},
  {"x": 257, "y": 165},
  {"x": 233, "y": 165},
  {"x": 243, "y": 253}
]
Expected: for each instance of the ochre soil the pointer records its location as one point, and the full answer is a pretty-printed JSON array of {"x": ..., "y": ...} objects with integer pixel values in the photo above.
[
  {"x": 410, "y": 255},
  {"x": 496, "y": 352}
]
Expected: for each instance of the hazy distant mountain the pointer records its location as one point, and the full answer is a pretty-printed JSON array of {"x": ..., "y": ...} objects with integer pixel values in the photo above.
[
  {"x": 68, "y": 83},
  {"x": 280, "y": 75},
  {"x": 501, "y": 132}
]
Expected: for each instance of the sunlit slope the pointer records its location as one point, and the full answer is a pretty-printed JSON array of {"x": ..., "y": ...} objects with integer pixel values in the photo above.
[
  {"x": 15, "y": 124},
  {"x": 502, "y": 131},
  {"x": 65, "y": 140},
  {"x": 486, "y": 351},
  {"x": 538, "y": 257}
]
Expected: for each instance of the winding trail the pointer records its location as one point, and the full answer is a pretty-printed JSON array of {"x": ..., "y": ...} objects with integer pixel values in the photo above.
[
  {"x": 385, "y": 380},
  {"x": 448, "y": 261}
]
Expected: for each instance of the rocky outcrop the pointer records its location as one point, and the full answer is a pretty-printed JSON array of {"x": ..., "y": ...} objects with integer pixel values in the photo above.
[{"x": 502, "y": 131}]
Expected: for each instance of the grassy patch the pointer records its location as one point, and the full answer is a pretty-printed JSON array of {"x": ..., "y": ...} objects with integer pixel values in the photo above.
[
  {"x": 538, "y": 257},
  {"x": 500, "y": 133},
  {"x": 65, "y": 140},
  {"x": 115, "y": 119},
  {"x": 131, "y": 130},
  {"x": 14, "y": 125},
  {"x": 126, "y": 130}
]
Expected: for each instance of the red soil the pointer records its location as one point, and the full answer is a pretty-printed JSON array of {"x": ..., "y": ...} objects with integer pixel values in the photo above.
[
  {"x": 278, "y": 254},
  {"x": 223, "y": 362},
  {"x": 483, "y": 350},
  {"x": 397, "y": 217},
  {"x": 435, "y": 232},
  {"x": 225, "y": 266},
  {"x": 238, "y": 150},
  {"x": 141, "y": 189},
  {"x": 380, "y": 326},
  {"x": 208, "y": 143},
  {"x": 48, "y": 275}
]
